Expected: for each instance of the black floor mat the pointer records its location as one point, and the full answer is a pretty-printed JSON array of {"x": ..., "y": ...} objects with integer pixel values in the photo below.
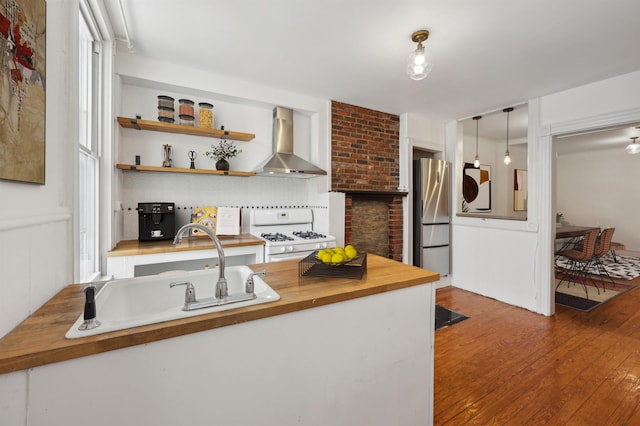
[
  {"x": 446, "y": 317},
  {"x": 574, "y": 302}
]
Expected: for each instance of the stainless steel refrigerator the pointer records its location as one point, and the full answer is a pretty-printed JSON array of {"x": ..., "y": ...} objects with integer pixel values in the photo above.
[{"x": 431, "y": 217}]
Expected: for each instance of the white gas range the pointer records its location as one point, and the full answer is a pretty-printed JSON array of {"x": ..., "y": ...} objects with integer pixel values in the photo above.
[{"x": 288, "y": 233}]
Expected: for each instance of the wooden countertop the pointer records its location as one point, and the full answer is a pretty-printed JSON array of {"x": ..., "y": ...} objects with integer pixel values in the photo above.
[
  {"x": 39, "y": 340},
  {"x": 135, "y": 247}
]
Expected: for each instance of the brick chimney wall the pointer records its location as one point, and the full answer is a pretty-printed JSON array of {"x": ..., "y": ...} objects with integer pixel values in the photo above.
[
  {"x": 364, "y": 149},
  {"x": 365, "y": 166}
]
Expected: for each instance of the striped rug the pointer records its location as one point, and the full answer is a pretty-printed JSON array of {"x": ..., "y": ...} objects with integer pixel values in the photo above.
[{"x": 625, "y": 267}]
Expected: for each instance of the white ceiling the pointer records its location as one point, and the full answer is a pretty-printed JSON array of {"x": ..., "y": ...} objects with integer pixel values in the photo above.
[
  {"x": 487, "y": 54},
  {"x": 610, "y": 138}
]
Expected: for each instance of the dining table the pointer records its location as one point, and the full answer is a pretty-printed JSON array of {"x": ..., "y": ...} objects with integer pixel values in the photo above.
[
  {"x": 573, "y": 231},
  {"x": 569, "y": 236}
]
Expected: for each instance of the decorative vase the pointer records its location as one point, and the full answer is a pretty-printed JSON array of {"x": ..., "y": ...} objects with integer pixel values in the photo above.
[{"x": 222, "y": 164}]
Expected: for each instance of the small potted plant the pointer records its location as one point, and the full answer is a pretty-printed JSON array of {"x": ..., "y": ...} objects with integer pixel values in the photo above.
[
  {"x": 559, "y": 217},
  {"x": 222, "y": 152}
]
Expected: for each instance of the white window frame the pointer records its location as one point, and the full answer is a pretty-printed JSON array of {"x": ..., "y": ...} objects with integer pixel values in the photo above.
[{"x": 93, "y": 15}]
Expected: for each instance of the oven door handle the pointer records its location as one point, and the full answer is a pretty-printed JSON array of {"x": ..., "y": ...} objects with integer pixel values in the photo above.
[{"x": 288, "y": 256}]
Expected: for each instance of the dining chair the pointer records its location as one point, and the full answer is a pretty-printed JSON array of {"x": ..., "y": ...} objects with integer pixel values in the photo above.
[
  {"x": 603, "y": 247},
  {"x": 579, "y": 262}
]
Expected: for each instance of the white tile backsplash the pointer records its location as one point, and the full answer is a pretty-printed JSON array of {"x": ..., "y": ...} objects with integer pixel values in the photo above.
[{"x": 188, "y": 191}]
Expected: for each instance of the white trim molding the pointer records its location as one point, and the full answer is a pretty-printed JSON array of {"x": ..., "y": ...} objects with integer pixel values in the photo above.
[{"x": 42, "y": 218}]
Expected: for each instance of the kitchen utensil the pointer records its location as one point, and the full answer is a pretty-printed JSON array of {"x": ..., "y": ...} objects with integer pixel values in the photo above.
[{"x": 166, "y": 155}]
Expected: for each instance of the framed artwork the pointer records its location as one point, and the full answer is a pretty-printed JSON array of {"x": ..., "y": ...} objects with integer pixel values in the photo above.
[
  {"x": 22, "y": 90},
  {"x": 476, "y": 188},
  {"x": 520, "y": 190}
]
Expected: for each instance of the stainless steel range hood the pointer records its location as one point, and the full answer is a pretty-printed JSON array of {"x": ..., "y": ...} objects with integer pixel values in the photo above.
[{"x": 284, "y": 162}]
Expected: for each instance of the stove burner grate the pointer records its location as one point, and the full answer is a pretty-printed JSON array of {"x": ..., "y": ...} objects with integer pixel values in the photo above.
[
  {"x": 275, "y": 237},
  {"x": 308, "y": 235}
]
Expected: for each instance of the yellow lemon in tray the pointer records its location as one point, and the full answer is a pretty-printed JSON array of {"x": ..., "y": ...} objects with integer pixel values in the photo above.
[
  {"x": 337, "y": 258},
  {"x": 351, "y": 252},
  {"x": 338, "y": 250},
  {"x": 326, "y": 258},
  {"x": 321, "y": 253}
]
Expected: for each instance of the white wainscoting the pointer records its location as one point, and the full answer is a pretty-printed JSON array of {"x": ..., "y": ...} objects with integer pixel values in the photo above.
[{"x": 35, "y": 263}]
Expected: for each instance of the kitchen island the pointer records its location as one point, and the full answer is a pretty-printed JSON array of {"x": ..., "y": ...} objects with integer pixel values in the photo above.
[{"x": 330, "y": 351}]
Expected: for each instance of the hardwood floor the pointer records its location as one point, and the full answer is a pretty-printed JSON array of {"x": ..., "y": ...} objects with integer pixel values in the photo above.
[{"x": 509, "y": 366}]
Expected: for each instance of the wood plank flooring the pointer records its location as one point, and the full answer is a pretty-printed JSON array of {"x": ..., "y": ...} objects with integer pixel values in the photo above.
[{"x": 509, "y": 366}]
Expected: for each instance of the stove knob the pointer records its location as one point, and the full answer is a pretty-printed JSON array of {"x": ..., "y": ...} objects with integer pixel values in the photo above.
[
  {"x": 290, "y": 248},
  {"x": 324, "y": 245},
  {"x": 283, "y": 249}
]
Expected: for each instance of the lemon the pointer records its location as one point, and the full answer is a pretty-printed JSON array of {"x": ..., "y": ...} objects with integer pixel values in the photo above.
[
  {"x": 350, "y": 252},
  {"x": 326, "y": 258},
  {"x": 337, "y": 258},
  {"x": 320, "y": 254},
  {"x": 330, "y": 251},
  {"x": 338, "y": 249}
]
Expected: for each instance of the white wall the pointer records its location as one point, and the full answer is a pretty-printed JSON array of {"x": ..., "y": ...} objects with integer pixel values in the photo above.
[
  {"x": 601, "y": 188},
  {"x": 36, "y": 248},
  {"x": 521, "y": 254},
  {"x": 238, "y": 109},
  {"x": 425, "y": 132}
]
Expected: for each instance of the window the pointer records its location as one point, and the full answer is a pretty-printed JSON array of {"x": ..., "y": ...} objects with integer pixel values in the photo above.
[{"x": 89, "y": 188}]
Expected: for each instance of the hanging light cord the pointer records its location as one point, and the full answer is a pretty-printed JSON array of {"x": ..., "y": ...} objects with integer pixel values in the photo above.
[
  {"x": 476, "y": 162},
  {"x": 507, "y": 156},
  {"x": 508, "y": 111},
  {"x": 476, "y": 138}
]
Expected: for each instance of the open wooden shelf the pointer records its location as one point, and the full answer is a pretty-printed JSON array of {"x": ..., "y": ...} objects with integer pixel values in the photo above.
[
  {"x": 136, "y": 168},
  {"x": 157, "y": 126}
]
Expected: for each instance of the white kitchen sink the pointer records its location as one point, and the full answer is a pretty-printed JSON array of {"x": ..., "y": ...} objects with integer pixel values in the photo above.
[{"x": 132, "y": 302}]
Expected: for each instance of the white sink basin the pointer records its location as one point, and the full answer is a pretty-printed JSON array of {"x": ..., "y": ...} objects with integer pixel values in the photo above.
[{"x": 132, "y": 302}]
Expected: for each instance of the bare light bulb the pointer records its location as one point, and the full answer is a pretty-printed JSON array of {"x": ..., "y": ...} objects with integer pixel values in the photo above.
[
  {"x": 633, "y": 147},
  {"x": 507, "y": 158},
  {"x": 476, "y": 163},
  {"x": 419, "y": 64}
]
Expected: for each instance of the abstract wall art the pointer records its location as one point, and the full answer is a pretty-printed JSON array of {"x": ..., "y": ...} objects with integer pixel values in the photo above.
[
  {"x": 22, "y": 90},
  {"x": 476, "y": 188},
  {"x": 520, "y": 190}
]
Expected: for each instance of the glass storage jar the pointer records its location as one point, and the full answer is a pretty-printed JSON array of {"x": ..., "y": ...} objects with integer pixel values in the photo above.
[
  {"x": 186, "y": 112},
  {"x": 205, "y": 115},
  {"x": 166, "y": 109},
  {"x": 185, "y": 107}
]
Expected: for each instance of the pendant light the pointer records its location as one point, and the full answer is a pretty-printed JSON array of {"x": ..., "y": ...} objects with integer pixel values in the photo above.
[
  {"x": 476, "y": 163},
  {"x": 507, "y": 157},
  {"x": 419, "y": 65},
  {"x": 633, "y": 147}
]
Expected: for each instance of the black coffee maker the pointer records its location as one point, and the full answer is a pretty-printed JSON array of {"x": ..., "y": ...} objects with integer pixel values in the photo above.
[{"x": 156, "y": 221}]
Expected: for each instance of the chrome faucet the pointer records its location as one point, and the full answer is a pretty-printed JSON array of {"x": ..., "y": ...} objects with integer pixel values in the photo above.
[
  {"x": 222, "y": 291},
  {"x": 248, "y": 285}
]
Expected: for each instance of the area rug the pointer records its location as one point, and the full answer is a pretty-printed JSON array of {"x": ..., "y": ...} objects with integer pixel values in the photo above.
[
  {"x": 625, "y": 267},
  {"x": 446, "y": 317},
  {"x": 573, "y": 295}
]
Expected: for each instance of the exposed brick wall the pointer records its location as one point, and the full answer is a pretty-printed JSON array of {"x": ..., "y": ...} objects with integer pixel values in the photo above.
[
  {"x": 364, "y": 149},
  {"x": 365, "y": 158},
  {"x": 370, "y": 217}
]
